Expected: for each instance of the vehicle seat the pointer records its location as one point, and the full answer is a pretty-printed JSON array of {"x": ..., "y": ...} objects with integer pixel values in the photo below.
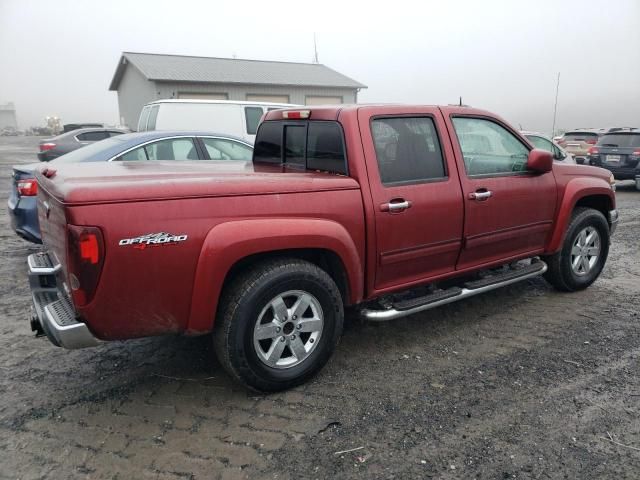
[{"x": 414, "y": 160}]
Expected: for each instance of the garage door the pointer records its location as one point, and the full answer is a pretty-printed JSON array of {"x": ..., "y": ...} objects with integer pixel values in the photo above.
[
  {"x": 322, "y": 100},
  {"x": 203, "y": 96},
  {"x": 268, "y": 98}
]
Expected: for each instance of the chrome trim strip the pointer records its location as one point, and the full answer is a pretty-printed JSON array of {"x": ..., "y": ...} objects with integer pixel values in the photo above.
[
  {"x": 124, "y": 152},
  {"x": 392, "y": 313}
]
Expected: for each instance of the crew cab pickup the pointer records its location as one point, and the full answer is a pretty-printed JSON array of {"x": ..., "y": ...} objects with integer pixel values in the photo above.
[{"x": 387, "y": 210}]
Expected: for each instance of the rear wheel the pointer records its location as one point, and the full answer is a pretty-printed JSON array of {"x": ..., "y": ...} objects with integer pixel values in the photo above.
[
  {"x": 278, "y": 324},
  {"x": 584, "y": 252}
]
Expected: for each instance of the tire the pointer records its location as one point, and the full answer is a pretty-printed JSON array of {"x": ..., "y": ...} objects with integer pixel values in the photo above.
[
  {"x": 561, "y": 272},
  {"x": 247, "y": 312}
]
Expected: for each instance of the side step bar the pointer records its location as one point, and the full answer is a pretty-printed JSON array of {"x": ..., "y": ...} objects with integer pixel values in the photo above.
[{"x": 420, "y": 304}]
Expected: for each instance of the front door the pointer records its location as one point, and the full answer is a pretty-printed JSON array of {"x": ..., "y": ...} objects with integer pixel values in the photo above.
[
  {"x": 508, "y": 209},
  {"x": 416, "y": 195}
]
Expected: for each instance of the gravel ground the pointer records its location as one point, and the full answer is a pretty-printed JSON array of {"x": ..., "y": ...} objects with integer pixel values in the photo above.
[{"x": 523, "y": 382}]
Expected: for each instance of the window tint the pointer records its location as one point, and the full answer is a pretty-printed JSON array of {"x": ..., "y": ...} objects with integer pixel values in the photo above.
[
  {"x": 294, "y": 144},
  {"x": 92, "y": 136},
  {"x": 252, "y": 118},
  {"x": 268, "y": 146},
  {"x": 620, "y": 140},
  {"x": 134, "y": 155},
  {"x": 172, "y": 149},
  {"x": 153, "y": 115},
  {"x": 407, "y": 149},
  {"x": 223, "y": 149},
  {"x": 489, "y": 148},
  {"x": 319, "y": 143},
  {"x": 325, "y": 147},
  {"x": 113, "y": 133},
  {"x": 142, "y": 122}
]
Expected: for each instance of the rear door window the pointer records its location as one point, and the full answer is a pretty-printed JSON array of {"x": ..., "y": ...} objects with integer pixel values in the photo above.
[
  {"x": 325, "y": 147},
  {"x": 172, "y": 149},
  {"x": 134, "y": 155},
  {"x": 407, "y": 150},
  {"x": 252, "y": 118}
]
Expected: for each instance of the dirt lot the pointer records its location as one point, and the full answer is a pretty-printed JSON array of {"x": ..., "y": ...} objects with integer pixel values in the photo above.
[{"x": 523, "y": 382}]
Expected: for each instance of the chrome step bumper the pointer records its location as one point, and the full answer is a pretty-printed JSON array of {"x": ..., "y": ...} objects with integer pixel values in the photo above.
[
  {"x": 53, "y": 310},
  {"x": 469, "y": 290}
]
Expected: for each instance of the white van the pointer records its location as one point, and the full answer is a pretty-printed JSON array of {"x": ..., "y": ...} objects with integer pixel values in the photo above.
[{"x": 239, "y": 119}]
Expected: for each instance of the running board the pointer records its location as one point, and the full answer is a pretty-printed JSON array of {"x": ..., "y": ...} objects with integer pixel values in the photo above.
[{"x": 442, "y": 297}]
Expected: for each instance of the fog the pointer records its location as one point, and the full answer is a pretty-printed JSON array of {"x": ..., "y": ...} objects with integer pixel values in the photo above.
[{"x": 57, "y": 58}]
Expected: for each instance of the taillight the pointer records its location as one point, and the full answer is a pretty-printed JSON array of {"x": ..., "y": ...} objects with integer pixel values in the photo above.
[
  {"x": 593, "y": 151},
  {"x": 85, "y": 247},
  {"x": 590, "y": 142},
  {"x": 636, "y": 152},
  {"x": 47, "y": 146},
  {"x": 27, "y": 187}
]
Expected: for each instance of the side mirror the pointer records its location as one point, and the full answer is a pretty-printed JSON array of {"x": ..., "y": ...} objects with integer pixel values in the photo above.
[{"x": 540, "y": 161}]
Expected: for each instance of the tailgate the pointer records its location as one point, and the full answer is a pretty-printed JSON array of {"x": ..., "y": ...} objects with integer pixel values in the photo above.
[{"x": 53, "y": 227}]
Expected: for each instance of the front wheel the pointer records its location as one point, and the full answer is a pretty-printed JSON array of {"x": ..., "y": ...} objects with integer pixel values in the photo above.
[
  {"x": 584, "y": 252},
  {"x": 278, "y": 324}
]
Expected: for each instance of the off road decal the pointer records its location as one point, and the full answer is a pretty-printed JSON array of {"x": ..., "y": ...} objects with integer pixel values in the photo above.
[{"x": 152, "y": 240}]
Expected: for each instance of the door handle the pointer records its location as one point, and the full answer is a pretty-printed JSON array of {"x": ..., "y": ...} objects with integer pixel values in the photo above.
[
  {"x": 480, "y": 195},
  {"x": 396, "y": 205}
]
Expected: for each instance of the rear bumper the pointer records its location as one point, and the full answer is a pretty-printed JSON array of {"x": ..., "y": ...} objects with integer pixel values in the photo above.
[
  {"x": 23, "y": 215},
  {"x": 613, "y": 221},
  {"x": 53, "y": 311}
]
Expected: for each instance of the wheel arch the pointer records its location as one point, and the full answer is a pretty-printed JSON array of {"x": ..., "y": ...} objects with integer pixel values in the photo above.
[
  {"x": 231, "y": 247},
  {"x": 580, "y": 192}
]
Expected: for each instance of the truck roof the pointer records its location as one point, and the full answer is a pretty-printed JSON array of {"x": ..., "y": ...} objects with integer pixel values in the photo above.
[{"x": 331, "y": 112}]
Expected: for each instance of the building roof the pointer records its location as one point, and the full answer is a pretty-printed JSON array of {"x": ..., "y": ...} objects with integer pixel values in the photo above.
[{"x": 179, "y": 68}]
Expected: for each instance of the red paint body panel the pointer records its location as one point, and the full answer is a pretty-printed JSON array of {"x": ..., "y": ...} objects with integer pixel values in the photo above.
[{"x": 229, "y": 211}]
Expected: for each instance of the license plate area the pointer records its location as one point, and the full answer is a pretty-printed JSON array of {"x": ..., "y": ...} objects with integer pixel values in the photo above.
[{"x": 613, "y": 158}]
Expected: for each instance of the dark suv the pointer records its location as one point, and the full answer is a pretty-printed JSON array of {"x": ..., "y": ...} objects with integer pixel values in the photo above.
[{"x": 618, "y": 152}]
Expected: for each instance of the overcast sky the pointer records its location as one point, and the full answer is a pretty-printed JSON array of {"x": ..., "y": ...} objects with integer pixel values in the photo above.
[{"x": 58, "y": 57}]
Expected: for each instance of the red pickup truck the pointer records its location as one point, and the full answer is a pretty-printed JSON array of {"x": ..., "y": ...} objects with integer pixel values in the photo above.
[{"x": 390, "y": 210}]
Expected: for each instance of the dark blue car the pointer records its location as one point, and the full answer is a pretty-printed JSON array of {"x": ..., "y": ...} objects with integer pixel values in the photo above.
[{"x": 144, "y": 146}]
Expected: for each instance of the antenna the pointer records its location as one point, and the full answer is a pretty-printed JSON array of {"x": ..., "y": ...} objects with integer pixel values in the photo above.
[
  {"x": 555, "y": 108},
  {"x": 460, "y": 104},
  {"x": 315, "y": 49}
]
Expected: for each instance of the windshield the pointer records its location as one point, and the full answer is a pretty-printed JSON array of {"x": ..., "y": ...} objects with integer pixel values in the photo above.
[
  {"x": 90, "y": 152},
  {"x": 620, "y": 140}
]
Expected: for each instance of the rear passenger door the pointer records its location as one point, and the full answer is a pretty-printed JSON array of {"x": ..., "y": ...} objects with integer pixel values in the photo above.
[{"x": 416, "y": 194}]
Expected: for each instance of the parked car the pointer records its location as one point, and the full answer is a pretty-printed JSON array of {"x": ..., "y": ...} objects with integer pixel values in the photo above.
[
  {"x": 126, "y": 147},
  {"x": 324, "y": 217},
  {"x": 54, "y": 147},
  {"x": 619, "y": 152},
  {"x": 239, "y": 119},
  {"x": 543, "y": 142},
  {"x": 578, "y": 142}
]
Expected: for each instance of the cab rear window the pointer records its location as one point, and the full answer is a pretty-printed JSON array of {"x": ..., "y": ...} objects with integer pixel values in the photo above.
[{"x": 314, "y": 145}]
